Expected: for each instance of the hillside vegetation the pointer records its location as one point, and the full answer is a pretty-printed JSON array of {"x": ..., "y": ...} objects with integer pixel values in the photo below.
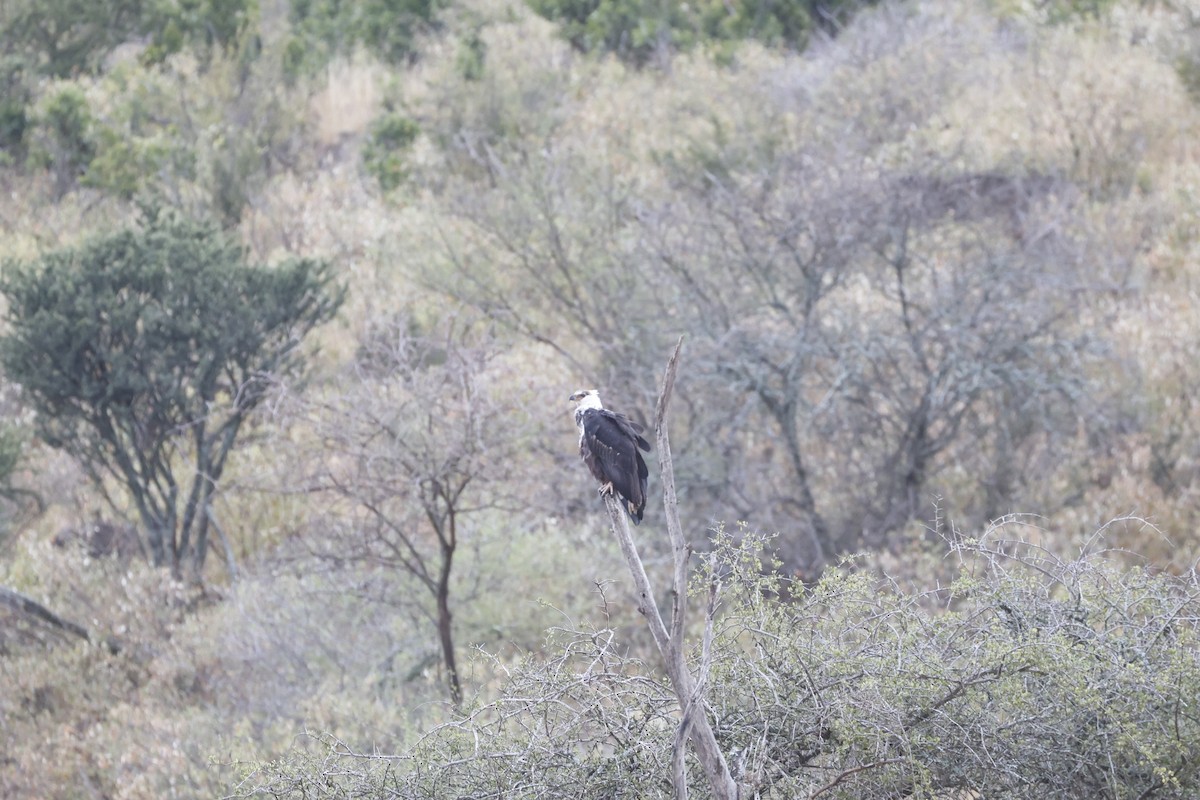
[{"x": 935, "y": 270}]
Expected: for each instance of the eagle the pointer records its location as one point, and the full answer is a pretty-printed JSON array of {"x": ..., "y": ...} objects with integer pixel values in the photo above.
[{"x": 608, "y": 444}]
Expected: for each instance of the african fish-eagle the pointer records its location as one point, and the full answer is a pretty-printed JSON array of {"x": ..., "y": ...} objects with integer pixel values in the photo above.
[{"x": 608, "y": 444}]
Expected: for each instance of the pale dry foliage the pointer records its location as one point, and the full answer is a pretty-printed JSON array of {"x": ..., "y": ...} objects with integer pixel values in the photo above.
[
  {"x": 1027, "y": 676},
  {"x": 566, "y": 199}
]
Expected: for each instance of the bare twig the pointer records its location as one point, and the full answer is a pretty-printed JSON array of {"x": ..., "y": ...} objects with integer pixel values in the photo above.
[{"x": 647, "y": 605}]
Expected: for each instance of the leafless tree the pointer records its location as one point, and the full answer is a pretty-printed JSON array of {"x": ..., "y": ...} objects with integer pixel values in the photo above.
[
  {"x": 552, "y": 252},
  {"x": 416, "y": 442},
  {"x": 888, "y": 326},
  {"x": 857, "y": 334}
]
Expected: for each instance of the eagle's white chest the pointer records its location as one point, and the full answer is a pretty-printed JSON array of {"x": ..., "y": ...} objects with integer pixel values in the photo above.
[{"x": 579, "y": 415}]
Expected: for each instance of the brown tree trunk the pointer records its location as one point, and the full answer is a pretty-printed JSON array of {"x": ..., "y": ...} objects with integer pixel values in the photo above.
[{"x": 448, "y": 539}]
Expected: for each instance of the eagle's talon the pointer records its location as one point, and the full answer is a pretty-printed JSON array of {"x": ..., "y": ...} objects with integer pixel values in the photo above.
[{"x": 606, "y": 490}]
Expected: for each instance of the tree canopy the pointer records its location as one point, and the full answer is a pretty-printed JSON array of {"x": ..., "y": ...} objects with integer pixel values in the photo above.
[{"x": 144, "y": 351}]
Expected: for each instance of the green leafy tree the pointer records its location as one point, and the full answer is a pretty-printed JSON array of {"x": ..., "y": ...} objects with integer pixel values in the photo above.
[
  {"x": 386, "y": 152},
  {"x": 639, "y": 31},
  {"x": 64, "y": 139},
  {"x": 388, "y": 29},
  {"x": 66, "y": 37},
  {"x": 143, "y": 353}
]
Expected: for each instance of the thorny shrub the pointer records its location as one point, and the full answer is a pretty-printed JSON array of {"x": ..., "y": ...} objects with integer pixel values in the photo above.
[{"x": 1027, "y": 676}]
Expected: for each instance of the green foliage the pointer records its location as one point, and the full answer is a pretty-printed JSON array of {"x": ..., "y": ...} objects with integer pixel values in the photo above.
[
  {"x": 635, "y": 30},
  {"x": 150, "y": 346},
  {"x": 472, "y": 55},
  {"x": 124, "y": 164},
  {"x": 13, "y": 440},
  {"x": 12, "y": 443},
  {"x": 295, "y": 60},
  {"x": 207, "y": 25},
  {"x": 641, "y": 30},
  {"x": 205, "y": 143},
  {"x": 780, "y": 24},
  {"x": 16, "y": 97},
  {"x": 388, "y": 29},
  {"x": 385, "y": 153},
  {"x": 1067, "y": 12},
  {"x": 64, "y": 137},
  {"x": 68, "y": 37},
  {"x": 235, "y": 165}
]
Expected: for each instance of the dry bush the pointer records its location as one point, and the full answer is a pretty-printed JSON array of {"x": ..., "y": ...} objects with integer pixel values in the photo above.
[
  {"x": 165, "y": 694},
  {"x": 88, "y": 716},
  {"x": 200, "y": 685},
  {"x": 1027, "y": 676}
]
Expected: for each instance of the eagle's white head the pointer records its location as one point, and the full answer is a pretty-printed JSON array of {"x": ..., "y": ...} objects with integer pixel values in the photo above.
[{"x": 586, "y": 398}]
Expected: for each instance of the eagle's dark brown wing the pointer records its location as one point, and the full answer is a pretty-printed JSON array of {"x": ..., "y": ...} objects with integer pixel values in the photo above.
[{"x": 609, "y": 446}]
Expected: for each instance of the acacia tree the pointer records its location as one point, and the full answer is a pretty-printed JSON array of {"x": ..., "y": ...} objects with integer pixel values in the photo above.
[{"x": 143, "y": 353}]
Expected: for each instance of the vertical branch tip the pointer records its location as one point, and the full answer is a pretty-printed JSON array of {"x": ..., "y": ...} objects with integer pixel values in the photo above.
[{"x": 668, "y": 387}]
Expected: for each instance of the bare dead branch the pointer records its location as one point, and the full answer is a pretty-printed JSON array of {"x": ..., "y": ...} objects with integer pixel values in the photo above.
[
  {"x": 30, "y": 607},
  {"x": 694, "y": 723}
]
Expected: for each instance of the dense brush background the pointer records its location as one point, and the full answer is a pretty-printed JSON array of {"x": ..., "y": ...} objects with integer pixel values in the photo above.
[{"x": 935, "y": 264}]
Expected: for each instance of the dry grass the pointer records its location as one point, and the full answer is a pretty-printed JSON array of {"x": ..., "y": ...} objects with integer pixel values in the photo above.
[{"x": 348, "y": 101}]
